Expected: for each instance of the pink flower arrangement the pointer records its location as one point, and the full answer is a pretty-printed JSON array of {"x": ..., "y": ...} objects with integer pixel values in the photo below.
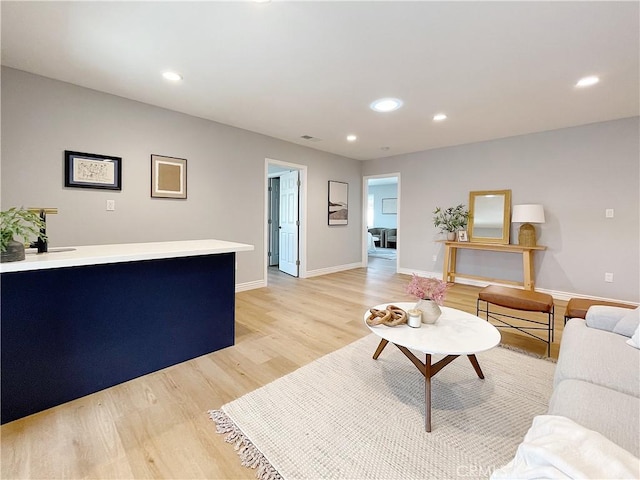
[{"x": 428, "y": 288}]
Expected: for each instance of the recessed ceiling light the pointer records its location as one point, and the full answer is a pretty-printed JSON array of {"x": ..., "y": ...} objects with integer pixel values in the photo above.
[
  {"x": 438, "y": 117},
  {"x": 173, "y": 76},
  {"x": 386, "y": 104},
  {"x": 351, "y": 138},
  {"x": 587, "y": 81}
]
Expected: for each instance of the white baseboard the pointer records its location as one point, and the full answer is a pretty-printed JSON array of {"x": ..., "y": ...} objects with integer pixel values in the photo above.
[
  {"x": 337, "y": 268},
  {"x": 556, "y": 294},
  {"x": 421, "y": 273},
  {"x": 560, "y": 295},
  {"x": 242, "y": 287}
]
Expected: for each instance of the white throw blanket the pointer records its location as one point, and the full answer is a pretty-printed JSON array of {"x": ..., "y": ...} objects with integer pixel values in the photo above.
[{"x": 557, "y": 447}]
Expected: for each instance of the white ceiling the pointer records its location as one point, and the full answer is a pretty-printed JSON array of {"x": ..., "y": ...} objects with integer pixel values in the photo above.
[{"x": 287, "y": 69}]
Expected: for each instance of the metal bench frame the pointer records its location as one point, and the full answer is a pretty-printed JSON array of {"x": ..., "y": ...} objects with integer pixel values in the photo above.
[{"x": 500, "y": 317}]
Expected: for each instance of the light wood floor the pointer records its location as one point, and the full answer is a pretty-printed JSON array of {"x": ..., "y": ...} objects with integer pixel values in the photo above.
[{"x": 157, "y": 426}]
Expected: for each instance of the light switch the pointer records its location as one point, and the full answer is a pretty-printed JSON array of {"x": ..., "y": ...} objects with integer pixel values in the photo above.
[
  {"x": 608, "y": 277},
  {"x": 111, "y": 205},
  {"x": 608, "y": 213}
]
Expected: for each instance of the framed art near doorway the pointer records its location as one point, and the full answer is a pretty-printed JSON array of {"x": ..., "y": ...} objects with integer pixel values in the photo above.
[
  {"x": 390, "y": 206},
  {"x": 338, "y": 203}
]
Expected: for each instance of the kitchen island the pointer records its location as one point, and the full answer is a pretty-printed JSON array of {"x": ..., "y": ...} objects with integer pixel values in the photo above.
[{"x": 80, "y": 319}]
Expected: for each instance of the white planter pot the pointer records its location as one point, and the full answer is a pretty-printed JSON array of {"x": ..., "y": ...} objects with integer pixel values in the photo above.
[{"x": 430, "y": 310}]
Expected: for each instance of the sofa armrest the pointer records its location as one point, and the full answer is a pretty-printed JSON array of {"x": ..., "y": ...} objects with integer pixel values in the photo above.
[{"x": 605, "y": 317}]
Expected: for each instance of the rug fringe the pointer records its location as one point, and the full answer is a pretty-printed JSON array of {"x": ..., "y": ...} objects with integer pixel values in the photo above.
[
  {"x": 527, "y": 353},
  {"x": 250, "y": 456}
]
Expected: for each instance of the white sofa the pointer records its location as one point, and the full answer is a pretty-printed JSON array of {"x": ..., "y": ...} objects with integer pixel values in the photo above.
[{"x": 592, "y": 427}]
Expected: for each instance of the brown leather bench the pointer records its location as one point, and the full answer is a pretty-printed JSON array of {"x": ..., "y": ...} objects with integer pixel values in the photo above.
[
  {"x": 577, "y": 307},
  {"x": 523, "y": 300}
]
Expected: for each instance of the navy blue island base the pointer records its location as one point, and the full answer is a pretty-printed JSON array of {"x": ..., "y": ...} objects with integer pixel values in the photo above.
[{"x": 69, "y": 332}]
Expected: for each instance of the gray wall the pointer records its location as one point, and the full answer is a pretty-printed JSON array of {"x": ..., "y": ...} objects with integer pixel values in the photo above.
[
  {"x": 226, "y": 174},
  {"x": 576, "y": 173}
]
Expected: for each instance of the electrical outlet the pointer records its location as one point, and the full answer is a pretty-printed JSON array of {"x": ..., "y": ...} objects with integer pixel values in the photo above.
[
  {"x": 435, "y": 257},
  {"x": 111, "y": 205},
  {"x": 608, "y": 213},
  {"x": 608, "y": 277}
]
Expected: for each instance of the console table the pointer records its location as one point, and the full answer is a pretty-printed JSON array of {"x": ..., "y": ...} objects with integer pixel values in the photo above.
[{"x": 451, "y": 248}]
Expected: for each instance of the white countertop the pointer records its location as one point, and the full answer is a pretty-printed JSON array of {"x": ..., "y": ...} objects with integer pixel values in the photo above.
[{"x": 61, "y": 257}]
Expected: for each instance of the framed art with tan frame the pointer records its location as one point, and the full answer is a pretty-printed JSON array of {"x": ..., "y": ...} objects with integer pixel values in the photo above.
[{"x": 168, "y": 177}]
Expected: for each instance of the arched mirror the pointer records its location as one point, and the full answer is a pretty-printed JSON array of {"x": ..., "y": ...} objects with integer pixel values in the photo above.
[{"x": 489, "y": 216}]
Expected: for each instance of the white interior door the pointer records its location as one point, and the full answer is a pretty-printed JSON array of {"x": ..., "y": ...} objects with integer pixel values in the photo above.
[
  {"x": 289, "y": 223},
  {"x": 274, "y": 221}
]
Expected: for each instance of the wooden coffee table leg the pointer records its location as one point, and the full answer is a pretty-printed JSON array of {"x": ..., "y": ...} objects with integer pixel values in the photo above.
[
  {"x": 427, "y": 393},
  {"x": 476, "y": 365},
  {"x": 383, "y": 343},
  {"x": 429, "y": 371}
]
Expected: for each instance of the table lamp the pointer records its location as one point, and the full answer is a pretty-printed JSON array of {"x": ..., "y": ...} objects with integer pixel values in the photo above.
[{"x": 526, "y": 215}]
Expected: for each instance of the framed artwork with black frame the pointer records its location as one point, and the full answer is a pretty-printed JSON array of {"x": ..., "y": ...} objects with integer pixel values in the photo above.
[
  {"x": 90, "y": 170},
  {"x": 168, "y": 177},
  {"x": 338, "y": 203}
]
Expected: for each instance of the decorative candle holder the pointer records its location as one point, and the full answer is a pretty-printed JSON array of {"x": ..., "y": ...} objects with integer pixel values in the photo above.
[{"x": 414, "y": 318}]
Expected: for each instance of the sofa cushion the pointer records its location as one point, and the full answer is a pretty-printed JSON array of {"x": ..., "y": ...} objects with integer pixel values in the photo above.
[
  {"x": 629, "y": 323},
  {"x": 609, "y": 412},
  {"x": 599, "y": 357},
  {"x": 606, "y": 318},
  {"x": 634, "y": 341}
]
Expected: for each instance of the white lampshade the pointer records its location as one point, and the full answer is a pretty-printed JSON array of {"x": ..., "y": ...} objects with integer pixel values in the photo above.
[{"x": 527, "y": 214}]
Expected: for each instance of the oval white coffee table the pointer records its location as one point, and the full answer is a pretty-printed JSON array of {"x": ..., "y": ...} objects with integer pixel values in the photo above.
[{"x": 455, "y": 333}]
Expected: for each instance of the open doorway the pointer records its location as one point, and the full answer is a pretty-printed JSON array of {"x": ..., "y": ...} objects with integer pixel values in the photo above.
[
  {"x": 381, "y": 219},
  {"x": 285, "y": 211}
]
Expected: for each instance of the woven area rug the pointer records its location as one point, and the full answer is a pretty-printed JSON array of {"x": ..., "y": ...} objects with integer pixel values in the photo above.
[{"x": 347, "y": 416}]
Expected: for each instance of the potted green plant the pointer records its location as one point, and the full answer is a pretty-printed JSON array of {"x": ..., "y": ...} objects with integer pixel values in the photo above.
[
  {"x": 18, "y": 224},
  {"x": 451, "y": 220}
]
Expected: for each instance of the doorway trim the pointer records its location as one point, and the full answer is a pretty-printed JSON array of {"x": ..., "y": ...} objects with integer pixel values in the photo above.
[
  {"x": 302, "y": 205},
  {"x": 365, "y": 201}
]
